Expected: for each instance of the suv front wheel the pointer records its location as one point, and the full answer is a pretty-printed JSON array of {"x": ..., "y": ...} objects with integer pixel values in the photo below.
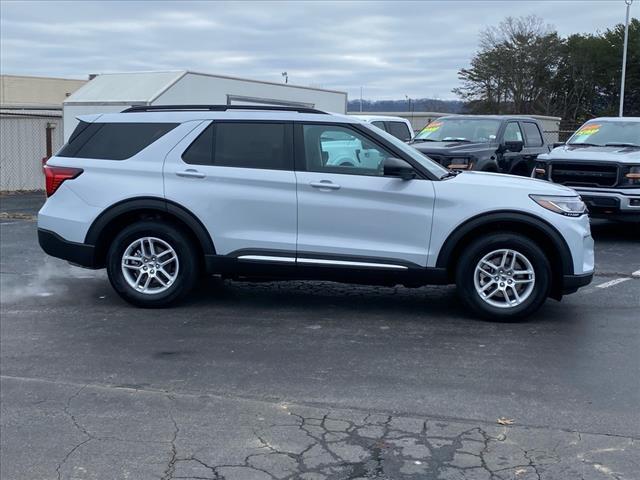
[
  {"x": 503, "y": 276},
  {"x": 152, "y": 264}
]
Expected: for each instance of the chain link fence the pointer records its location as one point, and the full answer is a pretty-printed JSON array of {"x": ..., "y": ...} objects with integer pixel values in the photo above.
[{"x": 23, "y": 144}]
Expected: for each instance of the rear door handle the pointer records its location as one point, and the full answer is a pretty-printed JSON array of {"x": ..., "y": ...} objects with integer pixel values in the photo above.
[
  {"x": 328, "y": 184},
  {"x": 191, "y": 173}
]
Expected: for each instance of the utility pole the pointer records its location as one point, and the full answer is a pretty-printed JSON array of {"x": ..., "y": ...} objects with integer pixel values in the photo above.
[
  {"x": 360, "y": 99},
  {"x": 624, "y": 58}
]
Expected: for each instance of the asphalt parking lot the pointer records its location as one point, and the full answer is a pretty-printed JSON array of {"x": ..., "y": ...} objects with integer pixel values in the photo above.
[{"x": 312, "y": 380}]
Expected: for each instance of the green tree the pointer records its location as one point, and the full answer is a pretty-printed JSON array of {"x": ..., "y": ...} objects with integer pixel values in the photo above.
[
  {"x": 514, "y": 68},
  {"x": 525, "y": 67}
]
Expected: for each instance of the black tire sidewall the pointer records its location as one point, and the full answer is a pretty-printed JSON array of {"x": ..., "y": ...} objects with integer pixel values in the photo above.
[
  {"x": 478, "y": 249},
  {"x": 187, "y": 273}
]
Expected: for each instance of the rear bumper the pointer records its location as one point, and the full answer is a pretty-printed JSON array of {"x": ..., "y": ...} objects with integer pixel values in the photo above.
[
  {"x": 571, "y": 283},
  {"x": 79, "y": 254}
]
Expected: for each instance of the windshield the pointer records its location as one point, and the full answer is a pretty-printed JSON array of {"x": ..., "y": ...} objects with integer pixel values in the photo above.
[
  {"x": 601, "y": 133},
  {"x": 433, "y": 167},
  {"x": 469, "y": 129}
]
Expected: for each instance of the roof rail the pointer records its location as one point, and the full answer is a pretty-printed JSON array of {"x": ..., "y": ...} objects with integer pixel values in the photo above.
[{"x": 217, "y": 108}]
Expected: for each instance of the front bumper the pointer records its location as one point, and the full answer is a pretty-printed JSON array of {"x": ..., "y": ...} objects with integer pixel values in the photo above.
[
  {"x": 611, "y": 203},
  {"x": 79, "y": 254},
  {"x": 571, "y": 283}
]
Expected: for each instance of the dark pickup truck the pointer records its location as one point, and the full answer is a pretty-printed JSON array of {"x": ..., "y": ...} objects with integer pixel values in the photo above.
[{"x": 489, "y": 143}]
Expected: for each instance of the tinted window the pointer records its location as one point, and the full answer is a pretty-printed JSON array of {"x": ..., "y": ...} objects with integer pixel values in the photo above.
[
  {"x": 379, "y": 125},
  {"x": 331, "y": 148},
  {"x": 200, "y": 152},
  {"x": 532, "y": 134},
  {"x": 113, "y": 141},
  {"x": 252, "y": 145},
  {"x": 399, "y": 130},
  {"x": 512, "y": 132},
  {"x": 243, "y": 145}
]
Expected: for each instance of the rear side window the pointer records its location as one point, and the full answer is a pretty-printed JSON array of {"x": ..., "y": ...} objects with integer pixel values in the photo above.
[
  {"x": 113, "y": 141},
  {"x": 532, "y": 134},
  {"x": 399, "y": 130},
  {"x": 243, "y": 145}
]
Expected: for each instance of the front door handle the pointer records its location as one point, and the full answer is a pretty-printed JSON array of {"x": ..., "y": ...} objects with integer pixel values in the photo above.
[
  {"x": 325, "y": 184},
  {"x": 191, "y": 173}
]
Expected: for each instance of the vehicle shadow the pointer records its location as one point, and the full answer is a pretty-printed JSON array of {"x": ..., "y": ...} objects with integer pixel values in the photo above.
[
  {"x": 605, "y": 230},
  {"x": 319, "y": 299}
]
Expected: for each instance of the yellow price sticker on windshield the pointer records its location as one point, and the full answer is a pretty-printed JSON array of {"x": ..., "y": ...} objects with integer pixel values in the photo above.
[
  {"x": 432, "y": 127},
  {"x": 589, "y": 129}
]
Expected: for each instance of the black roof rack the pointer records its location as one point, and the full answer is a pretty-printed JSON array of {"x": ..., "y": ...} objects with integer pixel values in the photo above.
[{"x": 218, "y": 108}]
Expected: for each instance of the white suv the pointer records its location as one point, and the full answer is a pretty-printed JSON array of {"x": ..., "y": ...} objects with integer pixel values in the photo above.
[{"x": 158, "y": 195}]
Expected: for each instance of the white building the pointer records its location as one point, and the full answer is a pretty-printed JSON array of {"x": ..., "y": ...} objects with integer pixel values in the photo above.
[
  {"x": 30, "y": 127},
  {"x": 113, "y": 92}
]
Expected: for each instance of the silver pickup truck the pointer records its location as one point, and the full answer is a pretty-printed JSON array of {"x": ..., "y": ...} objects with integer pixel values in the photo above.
[{"x": 601, "y": 161}]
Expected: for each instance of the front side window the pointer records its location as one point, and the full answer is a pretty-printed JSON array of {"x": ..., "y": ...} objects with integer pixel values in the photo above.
[
  {"x": 399, "y": 130},
  {"x": 243, "y": 145},
  {"x": 113, "y": 141},
  {"x": 380, "y": 125},
  {"x": 532, "y": 134},
  {"x": 603, "y": 133},
  {"x": 462, "y": 129},
  {"x": 512, "y": 132},
  {"x": 336, "y": 149}
]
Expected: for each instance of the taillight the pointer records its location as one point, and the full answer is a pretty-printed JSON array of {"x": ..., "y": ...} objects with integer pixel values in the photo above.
[{"x": 54, "y": 176}]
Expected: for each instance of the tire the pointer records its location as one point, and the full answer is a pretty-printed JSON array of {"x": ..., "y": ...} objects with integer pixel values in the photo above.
[
  {"x": 168, "y": 283},
  {"x": 502, "y": 304}
]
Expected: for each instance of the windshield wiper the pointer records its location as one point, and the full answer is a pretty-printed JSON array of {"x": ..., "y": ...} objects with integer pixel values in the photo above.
[
  {"x": 425, "y": 140},
  {"x": 621, "y": 144},
  {"x": 457, "y": 140},
  {"x": 584, "y": 144}
]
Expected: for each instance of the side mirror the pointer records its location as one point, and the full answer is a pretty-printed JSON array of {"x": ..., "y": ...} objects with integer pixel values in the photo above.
[
  {"x": 513, "y": 146},
  {"x": 395, "y": 167}
]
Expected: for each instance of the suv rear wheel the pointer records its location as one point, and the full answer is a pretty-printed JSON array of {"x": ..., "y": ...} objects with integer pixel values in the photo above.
[
  {"x": 151, "y": 264},
  {"x": 503, "y": 276}
]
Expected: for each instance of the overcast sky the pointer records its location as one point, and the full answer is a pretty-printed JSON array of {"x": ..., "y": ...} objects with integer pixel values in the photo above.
[{"x": 391, "y": 49}]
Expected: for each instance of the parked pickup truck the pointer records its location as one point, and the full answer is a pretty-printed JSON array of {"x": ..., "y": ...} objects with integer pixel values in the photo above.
[
  {"x": 601, "y": 161},
  {"x": 489, "y": 143}
]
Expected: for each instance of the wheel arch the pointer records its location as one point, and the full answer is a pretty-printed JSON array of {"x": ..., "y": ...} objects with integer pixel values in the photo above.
[
  {"x": 535, "y": 228},
  {"x": 106, "y": 226}
]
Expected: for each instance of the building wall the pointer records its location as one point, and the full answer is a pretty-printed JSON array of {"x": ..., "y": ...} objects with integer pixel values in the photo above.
[
  {"x": 36, "y": 91},
  {"x": 22, "y": 147}
]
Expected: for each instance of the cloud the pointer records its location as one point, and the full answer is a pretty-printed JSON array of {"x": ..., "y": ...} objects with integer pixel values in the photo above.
[{"x": 391, "y": 49}]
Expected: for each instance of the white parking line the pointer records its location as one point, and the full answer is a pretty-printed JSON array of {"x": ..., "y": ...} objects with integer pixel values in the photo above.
[
  {"x": 636, "y": 273},
  {"x": 611, "y": 283}
]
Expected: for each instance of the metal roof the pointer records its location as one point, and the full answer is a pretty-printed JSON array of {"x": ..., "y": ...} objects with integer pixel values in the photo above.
[
  {"x": 142, "y": 88},
  {"x": 130, "y": 88}
]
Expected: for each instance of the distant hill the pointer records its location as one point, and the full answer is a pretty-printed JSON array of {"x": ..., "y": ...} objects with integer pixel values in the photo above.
[{"x": 417, "y": 105}]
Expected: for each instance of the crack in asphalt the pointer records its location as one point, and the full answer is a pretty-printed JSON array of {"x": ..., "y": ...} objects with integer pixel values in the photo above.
[
  {"x": 78, "y": 427},
  {"x": 333, "y": 447},
  {"x": 349, "y": 444}
]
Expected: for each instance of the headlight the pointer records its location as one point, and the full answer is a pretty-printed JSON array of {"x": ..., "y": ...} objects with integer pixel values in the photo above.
[
  {"x": 567, "y": 206},
  {"x": 631, "y": 175}
]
